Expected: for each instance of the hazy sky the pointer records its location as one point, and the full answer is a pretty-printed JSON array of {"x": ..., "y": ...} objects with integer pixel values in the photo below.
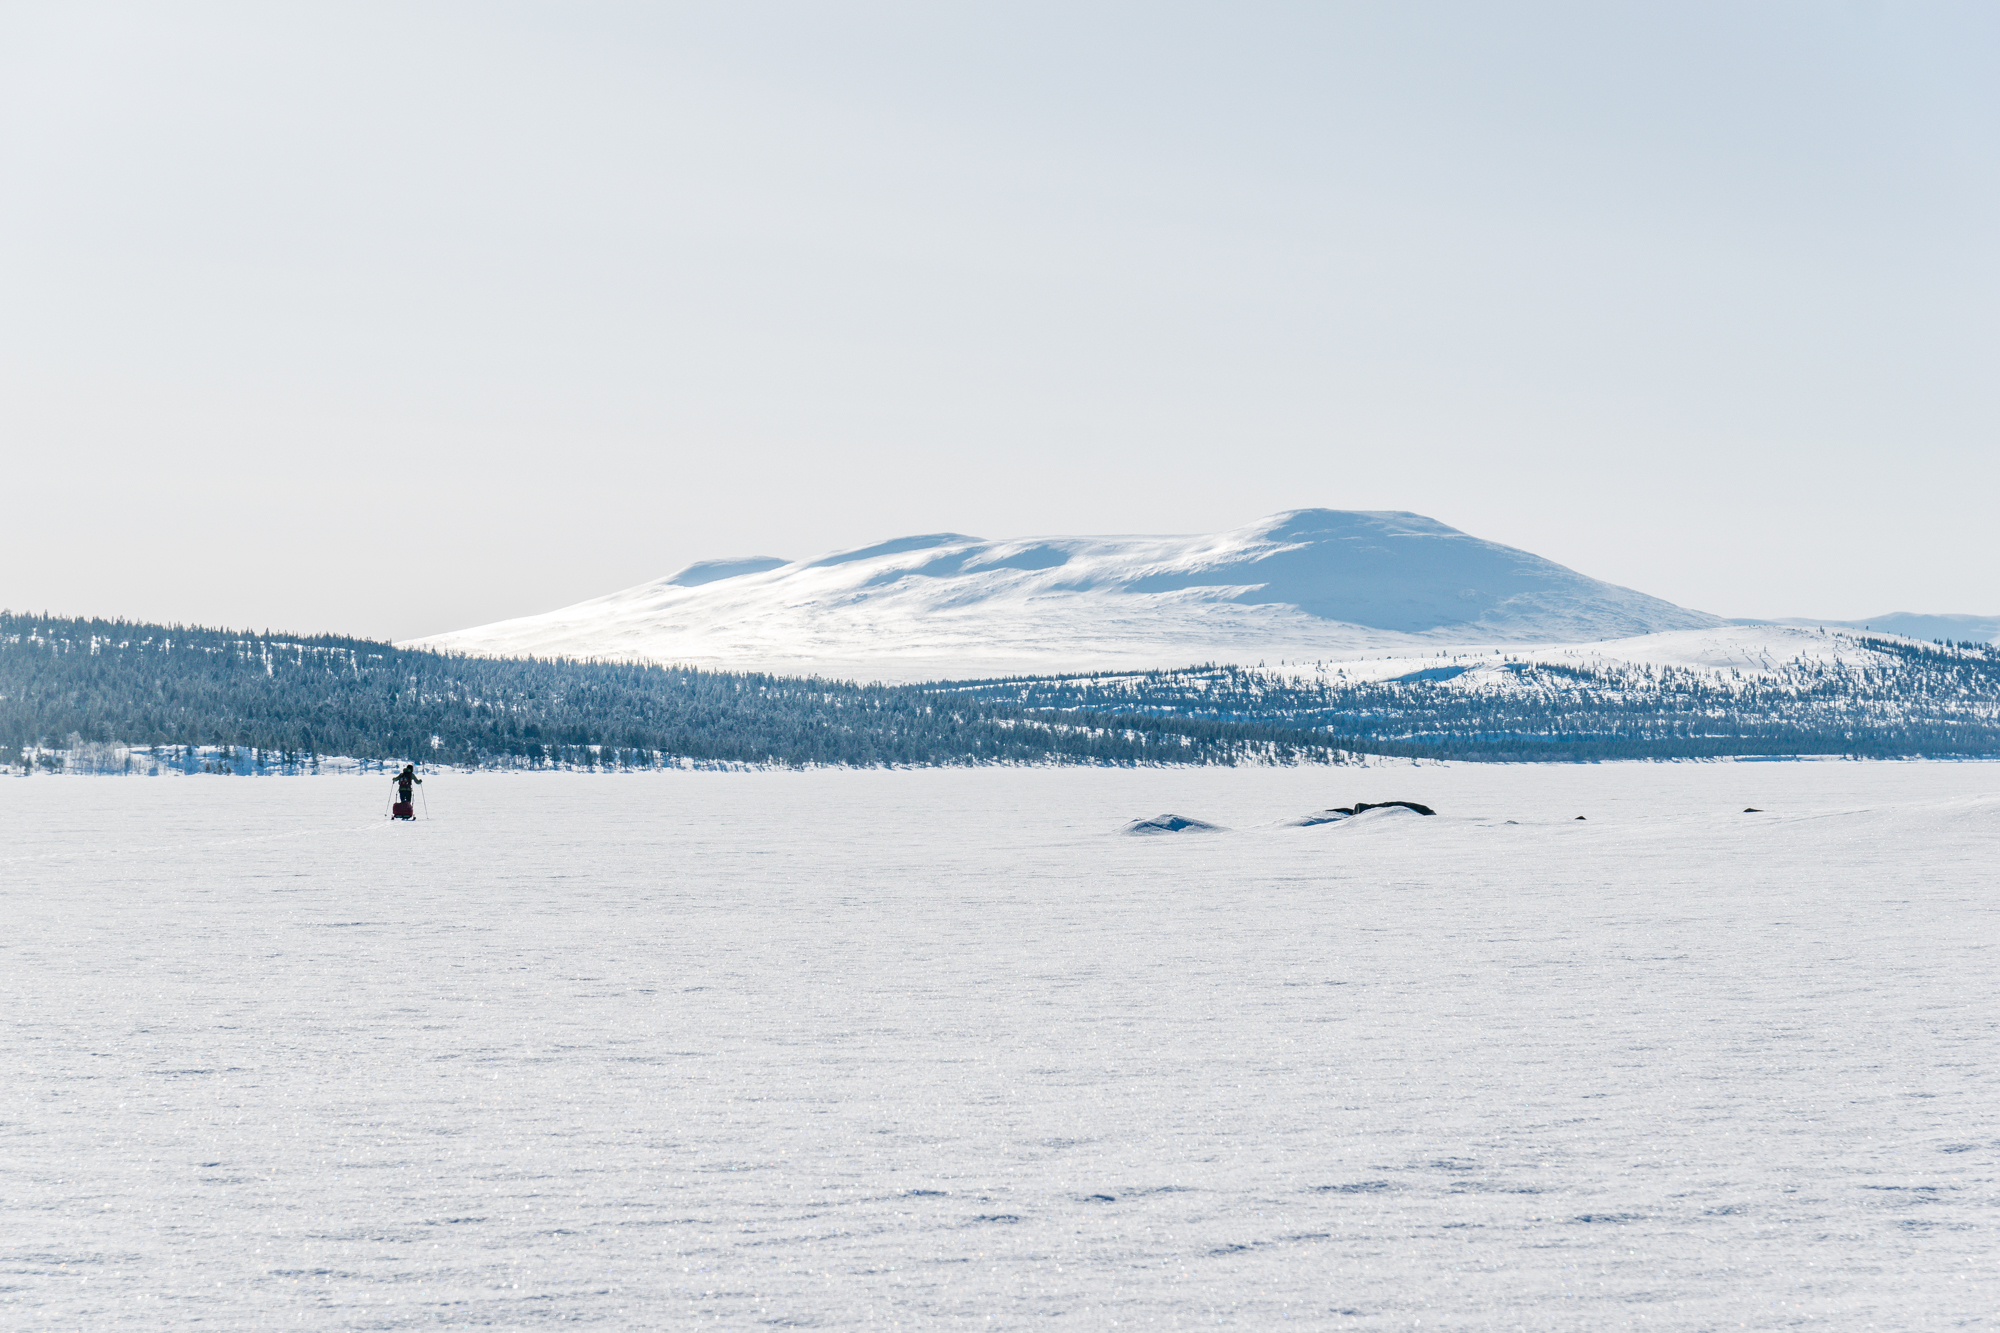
[{"x": 399, "y": 318}]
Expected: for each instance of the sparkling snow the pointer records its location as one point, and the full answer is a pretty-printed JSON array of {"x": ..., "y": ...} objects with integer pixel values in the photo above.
[{"x": 941, "y": 1049}]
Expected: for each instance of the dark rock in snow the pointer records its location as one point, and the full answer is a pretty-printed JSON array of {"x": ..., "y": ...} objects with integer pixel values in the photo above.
[
  {"x": 1752, "y": 810},
  {"x": 1333, "y": 816},
  {"x": 1340, "y": 812},
  {"x": 1170, "y": 824}
]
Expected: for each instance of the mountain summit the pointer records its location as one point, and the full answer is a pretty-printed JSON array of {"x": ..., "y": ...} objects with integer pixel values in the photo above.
[{"x": 1303, "y": 585}]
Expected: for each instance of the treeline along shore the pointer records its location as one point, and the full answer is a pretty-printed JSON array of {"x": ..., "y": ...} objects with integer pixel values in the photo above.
[
  {"x": 290, "y": 699},
  {"x": 68, "y": 685}
]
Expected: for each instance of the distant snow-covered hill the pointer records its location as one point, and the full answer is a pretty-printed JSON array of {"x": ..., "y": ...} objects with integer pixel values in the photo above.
[
  {"x": 1308, "y": 584},
  {"x": 1909, "y": 624}
]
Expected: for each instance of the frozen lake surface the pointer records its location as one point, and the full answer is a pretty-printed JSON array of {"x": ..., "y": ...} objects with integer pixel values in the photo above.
[{"x": 941, "y": 1049}]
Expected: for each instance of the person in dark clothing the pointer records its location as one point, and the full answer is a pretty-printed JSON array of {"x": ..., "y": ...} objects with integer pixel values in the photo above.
[{"x": 404, "y": 780}]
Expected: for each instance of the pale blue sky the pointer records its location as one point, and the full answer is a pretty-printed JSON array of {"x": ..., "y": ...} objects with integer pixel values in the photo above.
[{"x": 554, "y": 298}]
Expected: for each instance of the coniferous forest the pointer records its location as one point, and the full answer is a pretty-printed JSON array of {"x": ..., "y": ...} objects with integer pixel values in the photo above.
[
  {"x": 77, "y": 686},
  {"x": 83, "y": 687},
  {"x": 1904, "y": 699}
]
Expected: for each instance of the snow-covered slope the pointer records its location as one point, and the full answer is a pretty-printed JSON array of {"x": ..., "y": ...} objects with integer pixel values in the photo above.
[
  {"x": 1311, "y": 583},
  {"x": 1755, "y": 650}
]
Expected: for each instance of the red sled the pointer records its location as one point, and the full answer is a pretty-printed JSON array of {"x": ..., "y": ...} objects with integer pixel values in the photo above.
[{"x": 402, "y": 810}]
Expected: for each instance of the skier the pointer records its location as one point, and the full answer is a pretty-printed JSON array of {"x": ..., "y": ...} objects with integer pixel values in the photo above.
[{"x": 403, "y": 781}]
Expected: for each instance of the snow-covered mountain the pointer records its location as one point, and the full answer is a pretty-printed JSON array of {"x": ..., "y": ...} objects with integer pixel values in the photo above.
[{"x": 1308, "y": 584}]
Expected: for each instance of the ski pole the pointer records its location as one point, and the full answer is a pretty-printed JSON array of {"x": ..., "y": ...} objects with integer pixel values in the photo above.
[{"x": 427, "y": 802}]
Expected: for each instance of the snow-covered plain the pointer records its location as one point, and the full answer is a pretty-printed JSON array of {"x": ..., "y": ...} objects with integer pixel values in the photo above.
[{"x": 940, "y": 1049}]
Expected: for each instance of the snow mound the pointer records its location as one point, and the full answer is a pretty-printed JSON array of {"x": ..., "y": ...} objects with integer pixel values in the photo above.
[{"x": 1169, "y": 824}]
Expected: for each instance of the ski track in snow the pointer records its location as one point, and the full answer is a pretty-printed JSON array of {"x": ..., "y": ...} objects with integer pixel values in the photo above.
[{"x": 940, "y": 1049}]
